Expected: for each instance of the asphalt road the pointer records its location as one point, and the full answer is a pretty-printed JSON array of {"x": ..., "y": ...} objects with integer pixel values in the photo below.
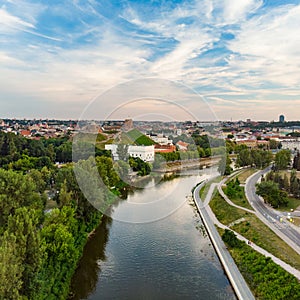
[
  {"x": 268, "y": 215},
  {"x": 237, "y": 280}
]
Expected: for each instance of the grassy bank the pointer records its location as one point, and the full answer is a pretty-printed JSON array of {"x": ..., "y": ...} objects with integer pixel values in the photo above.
[
  {"x": 245, "y": 174},
  {"x": 293, "y": 203},
  {"x": 255, "y": 230},
  {"x": 205, "y": 188},
  {"x": 266, "y": 279},
  {"x": 239, "y": 198}
]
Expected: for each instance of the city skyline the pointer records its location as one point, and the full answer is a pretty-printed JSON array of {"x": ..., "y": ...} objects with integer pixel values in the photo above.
[{"x": 240, "y": 57}]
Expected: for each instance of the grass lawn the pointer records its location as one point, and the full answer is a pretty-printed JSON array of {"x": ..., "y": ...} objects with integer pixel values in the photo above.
[
  {"x": 204, "y": 190},
  {"x": 293, "y": 204},
  {"x": 239, "y": 199},
  {"x": 288, "y": 173},
  {"x": 245, "y": 174},
  {"x": 138, "y": 138},
  {"x": 255, "y": 230},
  {"x": 126, "y": 139},
  {"x": 101, "y": 137},
  {"x": 224, "y": 212},
  {"x": 101, "y": 145}
]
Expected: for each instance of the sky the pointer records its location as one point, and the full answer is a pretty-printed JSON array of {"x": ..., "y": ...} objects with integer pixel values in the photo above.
[{"x": 240, "y": 58}]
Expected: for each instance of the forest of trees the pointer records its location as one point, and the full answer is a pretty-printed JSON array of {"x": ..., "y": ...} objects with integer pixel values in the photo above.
[
  {"x": 282, "y": 159},
  {"x": 253, "y": 157},
  {"x": 142, "y": 168},
  {"x": 271, "y": 193},
  {"x": 276, "y": 187},
  {"x": 288, "y": 184},
  {"x": 40, "y": 248},
  {"x": 17, "y": 152}
]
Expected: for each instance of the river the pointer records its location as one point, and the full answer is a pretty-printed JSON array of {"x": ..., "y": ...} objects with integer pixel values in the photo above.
[{"x": 169, "y": 258}]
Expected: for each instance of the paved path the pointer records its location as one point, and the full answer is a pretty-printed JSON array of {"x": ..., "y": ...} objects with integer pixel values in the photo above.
[
  {"x": 210, "y": 215},
  {"x": 237, "y": 280},
  {"x": 228, "y": 200},
  {"x": 278, "y": 261}
]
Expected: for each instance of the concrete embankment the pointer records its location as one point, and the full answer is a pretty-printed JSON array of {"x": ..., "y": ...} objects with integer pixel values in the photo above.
[
  {"x": 236, "y": 279},
  {"x": 188, "y": 164}
]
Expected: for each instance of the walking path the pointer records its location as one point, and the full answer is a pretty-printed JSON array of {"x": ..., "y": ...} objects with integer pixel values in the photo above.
[
  {"x": 238, "y": 282},
  {"x": 228, "y": 200},
  {"x": 278, "y": 261}
]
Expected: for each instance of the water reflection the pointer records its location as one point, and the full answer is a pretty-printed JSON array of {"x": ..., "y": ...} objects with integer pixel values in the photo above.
[
  {"x": 171, "y": 258},
  {"x": 85, "y": 278}
]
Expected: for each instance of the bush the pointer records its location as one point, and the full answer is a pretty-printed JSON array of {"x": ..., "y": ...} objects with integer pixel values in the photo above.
[{"x": 230, "y": 239}]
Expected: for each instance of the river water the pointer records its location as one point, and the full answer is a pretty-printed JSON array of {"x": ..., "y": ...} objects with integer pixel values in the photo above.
[{"x": 169, "y": 258}]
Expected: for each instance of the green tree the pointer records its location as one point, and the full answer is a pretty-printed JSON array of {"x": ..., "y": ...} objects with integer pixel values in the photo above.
[
  {"x": 282, "y": 159},
  {"x": 159, "y": 161},
  {"x": 274, "y": 144},
  {"x": 271, "y": 193},
  {"x": 65, "y": 196},
  {"x": 37, "y": 177},
  {"x": 239, "y": 148},
  {"x": 50, "y": 152},
  {"x": 16, "y": 191},
  {"x": 11, "y": 268},
  {"x": 24, "y": 225},
  {"x": 64, "y": 153},
  {"x": 286, "y": 185},
  {"x": 122, "y": 151},
  {"x": 230, "y": 239},
  {"x": 244, "y": 157},
  {"x": 224, "y": 165},
  {"x": 137, "y": 164},
  {"x": 296, "y": 162},
  {"x": 201, "y": 151},
  {"x": 60, "y": 260}
]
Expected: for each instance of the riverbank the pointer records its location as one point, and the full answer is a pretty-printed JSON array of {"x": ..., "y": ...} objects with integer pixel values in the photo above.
[
  {"x": 201, "y": 163},
  {"x": 253, "y": 229},
  {"x": 259, "y": 267},
  {"x": 237, "y": 280},
  {"x": 166, "y": 259},
  {"x": 266, "y": 274}
]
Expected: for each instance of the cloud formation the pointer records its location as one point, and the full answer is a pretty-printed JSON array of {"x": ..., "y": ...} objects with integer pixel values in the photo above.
[{"x": 237, "y": 54}]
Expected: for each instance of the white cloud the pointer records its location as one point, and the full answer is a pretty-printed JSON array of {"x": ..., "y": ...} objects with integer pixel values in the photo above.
[
  {"x": 264, "y": 59},
  {"x": 270, "y": 46},
  {"x": 236, "y": 10},
  {"x": 10, "y": 21},
  {"x": 7, "y": 60}
]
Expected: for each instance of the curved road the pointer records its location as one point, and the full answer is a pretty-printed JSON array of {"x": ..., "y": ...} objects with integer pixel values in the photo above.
[{"x": 269, "y": 216}]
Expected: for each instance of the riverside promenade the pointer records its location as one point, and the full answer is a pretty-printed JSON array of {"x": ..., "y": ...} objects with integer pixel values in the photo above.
[{"x": 236, "y": 279}]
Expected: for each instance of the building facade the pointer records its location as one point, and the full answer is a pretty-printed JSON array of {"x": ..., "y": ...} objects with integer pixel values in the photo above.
[
  {"x": 145, "y": 153},
  {"x": 281, "y": 118},
  {"x": 160, "y": 139}
]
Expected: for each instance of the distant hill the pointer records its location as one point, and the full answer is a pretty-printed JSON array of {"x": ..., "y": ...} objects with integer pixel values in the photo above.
[{"x": 135, "y": 137}]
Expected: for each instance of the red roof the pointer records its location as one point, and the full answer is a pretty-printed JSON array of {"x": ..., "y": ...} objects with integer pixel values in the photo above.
[
  {"x": 182, "y": 144},
  {"x": 25, "y": 133},
  {"x": 164, "y": 148}
]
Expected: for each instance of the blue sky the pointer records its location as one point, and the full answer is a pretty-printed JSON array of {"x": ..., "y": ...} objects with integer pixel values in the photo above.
[{"x": 242, "y": 56}]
